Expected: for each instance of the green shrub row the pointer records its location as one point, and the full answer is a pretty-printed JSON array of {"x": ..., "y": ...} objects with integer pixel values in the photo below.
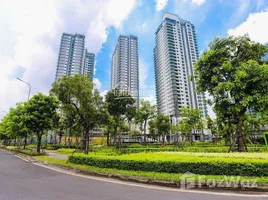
[
  {"x": 211, "y": 149},
  {"x": 206, "y": 167},
  {"x": 28, "y": 152}
]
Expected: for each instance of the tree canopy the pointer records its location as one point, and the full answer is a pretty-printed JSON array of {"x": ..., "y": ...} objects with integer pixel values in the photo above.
[{"x": 233, "y": 73}]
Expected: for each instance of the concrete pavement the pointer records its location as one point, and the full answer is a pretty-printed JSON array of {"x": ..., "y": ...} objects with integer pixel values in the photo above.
[
  {"x": 20, "y": 180},
  {"x": 54, "y": 154}
]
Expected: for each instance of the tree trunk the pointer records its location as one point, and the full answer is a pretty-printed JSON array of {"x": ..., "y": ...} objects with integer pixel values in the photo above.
[
  {"x": 108, "y": 139},
  {"x": 39, "y": 138},
  {"x": 87, "y": 140},
  {"x": 46, "y": 140},
  {"x": 76, "y": 139},
  {"x": 114, "y": 138},
  {"x": 25, "y": 140},
  {"x": 60, "y": 138},
  {"x": 69, "y": 139},
  {"x": 240, "y": 133},
  {"x": 144, "y": 130},
  {"x": 119, "y": 131},
  {"x": 129, "y": 132}
]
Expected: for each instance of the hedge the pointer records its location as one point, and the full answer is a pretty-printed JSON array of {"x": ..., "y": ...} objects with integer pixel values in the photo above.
[
  {"x": 188, "y": 149},
  {"x": 204, "y": 166}
]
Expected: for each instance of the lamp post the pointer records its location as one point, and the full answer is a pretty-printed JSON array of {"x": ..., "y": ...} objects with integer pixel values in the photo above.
[
  {"x": 25, "y": 140},
  {"x": 28, "y": 85}
]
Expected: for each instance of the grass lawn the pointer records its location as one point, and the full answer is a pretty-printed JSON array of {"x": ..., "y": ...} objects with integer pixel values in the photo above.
[{"x": 185, "y": 157}]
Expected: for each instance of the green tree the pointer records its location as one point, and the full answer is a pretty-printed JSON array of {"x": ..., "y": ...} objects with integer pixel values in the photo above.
[
  {"x": 40, "y": 111},
  {"x": 185, "y": 129},
  {"x": 191, "y": 119},
  {"x": 163, "y": 124},
  {"x": 130, "y": 115},
  {"x": 110, "y": 129},
  {"x": 233, "y": 73},
  {"x": 77, "y": 95},
  {"x": 145, "y": 112},
  {"x": 118, "y": 103},
  {"x": 13, "y": 125}
]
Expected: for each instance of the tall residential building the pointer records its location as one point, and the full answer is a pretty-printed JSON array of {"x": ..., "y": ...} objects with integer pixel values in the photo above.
[
  {"x": 175, "y": 54},
  {"x": 125, "y": 66},
  {"x": 73, "y": 57}
]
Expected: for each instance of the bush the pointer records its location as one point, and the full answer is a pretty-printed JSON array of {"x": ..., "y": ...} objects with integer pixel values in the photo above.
[
  {"x": 27, "y": 152},
  {"x": 99, "y": 140},
  {"x": 177, "y": 164},
  {"x": 65, "y": 151}
]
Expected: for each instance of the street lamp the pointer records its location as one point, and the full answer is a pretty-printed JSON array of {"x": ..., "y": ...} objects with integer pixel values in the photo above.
[
  {"x": 28, "y": 85},
  {"x": 25, "y": 140}
]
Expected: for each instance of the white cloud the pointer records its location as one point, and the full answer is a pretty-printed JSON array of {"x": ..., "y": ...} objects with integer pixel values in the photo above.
[
  {"x": 160, "y": 4},
  {"x": 198, "y": 2},
  {"x": 151, "y": 99},
  {"x": 103, "y": 93},
  {"x": 254, "y": 26},
  {"x": 30, "y": 38},
  {"x": 97, "y": 83}
]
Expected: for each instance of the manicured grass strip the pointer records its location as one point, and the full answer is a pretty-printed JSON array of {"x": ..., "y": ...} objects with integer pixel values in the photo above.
[
  {"x": 65, "y": 151},
  {"x": 177, "y": 163},
  {"x": 155, "y": 175},
  {"x": 23, "y": 151}
]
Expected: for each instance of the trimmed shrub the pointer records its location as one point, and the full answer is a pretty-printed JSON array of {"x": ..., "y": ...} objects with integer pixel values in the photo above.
[
  {"x": 28, "y": 152},
  {"x": 196, "y": 165}
]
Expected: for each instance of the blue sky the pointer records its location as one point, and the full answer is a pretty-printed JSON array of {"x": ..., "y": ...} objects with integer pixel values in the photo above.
[
  {"x": 31, "y": 31},
  {"x": 212, "y": 18}
]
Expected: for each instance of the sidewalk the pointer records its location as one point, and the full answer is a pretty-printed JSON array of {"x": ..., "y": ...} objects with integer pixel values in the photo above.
[{"x": 53, "y": 154}]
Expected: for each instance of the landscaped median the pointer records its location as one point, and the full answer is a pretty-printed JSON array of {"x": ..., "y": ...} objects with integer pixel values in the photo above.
[
  {"x": 204, "y": 164},
  {"x": 177, "y": 169},
  {"x": 181, "y": 180}
]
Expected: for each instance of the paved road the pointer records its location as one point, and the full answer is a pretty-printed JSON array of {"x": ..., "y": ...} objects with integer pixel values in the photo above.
[{"x": 20, "y": 180}]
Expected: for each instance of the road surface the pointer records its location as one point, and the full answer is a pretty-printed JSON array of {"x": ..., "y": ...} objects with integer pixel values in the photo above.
[{"x": 20, "y": 180}]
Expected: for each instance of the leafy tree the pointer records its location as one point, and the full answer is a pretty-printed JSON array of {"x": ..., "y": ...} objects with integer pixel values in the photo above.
[
  {"x": 118, "y": 104},
  {"x": 135, "y": 132},
  {"x": 77, "y": 95},
  {"x": 130, "y": 115},
  {"x": 110, "y": 129},
  {"x": 40, "y": 111},
  {"x": 152, "y": 127},
  {"x": 162, "y": 124},
  {"x": 145, "y": 112},
  {"x": 233, "y": 73},
  {"x": 13, "y": 124},
  {"x": 191, "y": 120},
  {"x": 174, "y": 128},
  {"x": 185, "y": 129}
]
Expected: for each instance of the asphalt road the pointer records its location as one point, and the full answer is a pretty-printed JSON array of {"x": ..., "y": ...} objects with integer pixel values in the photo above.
[{"x": 20, "y": 180}]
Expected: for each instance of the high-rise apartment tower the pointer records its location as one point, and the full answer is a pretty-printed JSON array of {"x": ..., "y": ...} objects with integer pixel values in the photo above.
[
  {"x": 125, "y": 66},
  {"x": 73, "y": 57},
  {"x": 175, "y": 54}
]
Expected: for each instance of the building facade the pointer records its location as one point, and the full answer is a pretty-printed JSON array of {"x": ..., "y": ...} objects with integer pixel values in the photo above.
[
  {"x": 175, "y": 54},
  {"x": 73, "y": 57},
  {"x": 125, "y": 66}
]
